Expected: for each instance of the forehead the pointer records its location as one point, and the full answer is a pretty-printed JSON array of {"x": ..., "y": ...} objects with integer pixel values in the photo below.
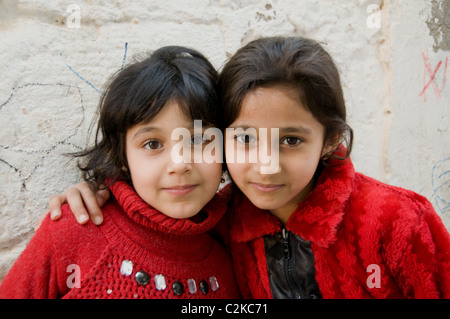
[
  {"x": 274, "y": 107},
  {"x": 170, "y": 117},
  {"x": 172, "y": 111}
]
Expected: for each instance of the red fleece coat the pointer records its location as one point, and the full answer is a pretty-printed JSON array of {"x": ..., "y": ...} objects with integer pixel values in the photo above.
[
  {"x": 369, "y": 239},
  {"x": 135, "y": 248}
]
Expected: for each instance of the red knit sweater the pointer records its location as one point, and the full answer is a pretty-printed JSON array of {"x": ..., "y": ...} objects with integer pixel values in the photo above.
[
  {"x": 137, "y": 252},
  {"x": 354, "y": 224}
]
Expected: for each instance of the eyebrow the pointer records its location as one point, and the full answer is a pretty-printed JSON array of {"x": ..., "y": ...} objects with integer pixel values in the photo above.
[
  {"x": 146, "y": 129},
  {"x": 296, "y": 129},
  {"x": 289, "y": 129}
]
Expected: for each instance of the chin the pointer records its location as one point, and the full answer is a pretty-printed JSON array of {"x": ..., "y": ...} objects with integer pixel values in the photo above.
[
  {"x": 182, "y": 215},
  {"x": 264, "y": 204},
  {"x": 180, "y": 212}
]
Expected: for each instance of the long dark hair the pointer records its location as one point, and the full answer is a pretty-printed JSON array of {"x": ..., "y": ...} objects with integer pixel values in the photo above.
[
  {"x": 298, "y": 63},
  {"x": 136, "y": 94}
]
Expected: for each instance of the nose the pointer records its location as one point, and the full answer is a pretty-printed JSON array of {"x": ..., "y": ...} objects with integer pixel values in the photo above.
[
  {"x": 178, "y": 168},
  {"x": 271, "y": 168},
  {"x": 179, "y": 165},
  {"x": 268, "y": 153}
]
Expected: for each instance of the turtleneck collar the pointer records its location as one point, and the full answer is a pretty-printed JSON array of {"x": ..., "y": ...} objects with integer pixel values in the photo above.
[{"x": 145, "y": 215}]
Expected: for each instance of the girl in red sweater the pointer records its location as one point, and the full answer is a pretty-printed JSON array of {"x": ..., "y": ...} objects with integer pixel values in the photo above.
[
  {"x": 154, "y": 241},
  {"x": 314, "y": 228},
  {"x": 311, "y": 226}
]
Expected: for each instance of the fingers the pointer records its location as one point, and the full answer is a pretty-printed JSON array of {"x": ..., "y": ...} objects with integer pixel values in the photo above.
[
  {"x": 75, "y": 200},
  {"x": 84, "y": 203},
  {"x": 55, "y": 206},
  {"x": 102, "y": 196},
  {"x": 93, "y": 202}
]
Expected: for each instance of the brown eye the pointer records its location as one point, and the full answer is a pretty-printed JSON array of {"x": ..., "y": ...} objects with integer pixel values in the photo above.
[
  {"x": 152, "y": 145},
  {"x": 291, "y": 141}
]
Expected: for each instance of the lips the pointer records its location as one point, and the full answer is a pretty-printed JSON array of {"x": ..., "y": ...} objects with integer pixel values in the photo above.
[
  {"x": 266, "y": 188},
  {"x": 180, "y": 190}
]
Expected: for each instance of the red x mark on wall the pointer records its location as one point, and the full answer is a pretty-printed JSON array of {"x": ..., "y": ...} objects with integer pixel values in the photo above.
[{"x": 432, "y": 76}]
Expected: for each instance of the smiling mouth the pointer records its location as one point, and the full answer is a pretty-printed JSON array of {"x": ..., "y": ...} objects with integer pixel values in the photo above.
[
  {"x": 180, "y": 190},
  {"x": 266, "y": 188}
]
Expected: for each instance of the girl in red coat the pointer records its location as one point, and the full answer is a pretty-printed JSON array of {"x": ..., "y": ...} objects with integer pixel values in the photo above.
[
  {"x": 310, "y": 226},
  {"x": 154, "y": 241},
  {"x": 315, "y": 228}
]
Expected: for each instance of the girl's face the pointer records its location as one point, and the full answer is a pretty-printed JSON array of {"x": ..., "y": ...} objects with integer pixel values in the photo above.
[
  {"x": 301, "y": 145},
  {"x": 178, "y": 190}
]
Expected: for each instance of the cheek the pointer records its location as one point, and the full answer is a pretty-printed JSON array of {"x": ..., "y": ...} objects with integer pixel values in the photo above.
[
  {"x": 301, "y": 169},
  {"x": 143, "y": 174},
  {"x": 145, "y": 182},
  {"x": 212, "y": 172}
]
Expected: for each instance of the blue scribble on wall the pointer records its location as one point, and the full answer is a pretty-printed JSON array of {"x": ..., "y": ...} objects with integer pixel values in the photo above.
[
  {"x": 440, "y": 180},
  {"x": 125, "y": 54},
  {"x": 86, "y": 81},
  {"x": 83, "y": 79}
]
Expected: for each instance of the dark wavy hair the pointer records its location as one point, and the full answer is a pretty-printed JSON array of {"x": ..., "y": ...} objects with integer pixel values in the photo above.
[
  {"x": 299, "y": 64},
  {"x": 136, "y": 94}
]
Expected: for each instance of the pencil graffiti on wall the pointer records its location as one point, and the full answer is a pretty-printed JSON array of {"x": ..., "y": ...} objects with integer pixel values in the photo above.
[
  {"x": 31, "y": 129},
  {"x": 440, "y": 180}
]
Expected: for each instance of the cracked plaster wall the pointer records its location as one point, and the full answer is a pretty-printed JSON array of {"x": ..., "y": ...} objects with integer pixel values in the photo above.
[{"x": 392, "y": 55}]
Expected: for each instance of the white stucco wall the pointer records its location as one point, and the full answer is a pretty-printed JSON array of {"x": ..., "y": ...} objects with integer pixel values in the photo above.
[{"x": 56, "y": 55}]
